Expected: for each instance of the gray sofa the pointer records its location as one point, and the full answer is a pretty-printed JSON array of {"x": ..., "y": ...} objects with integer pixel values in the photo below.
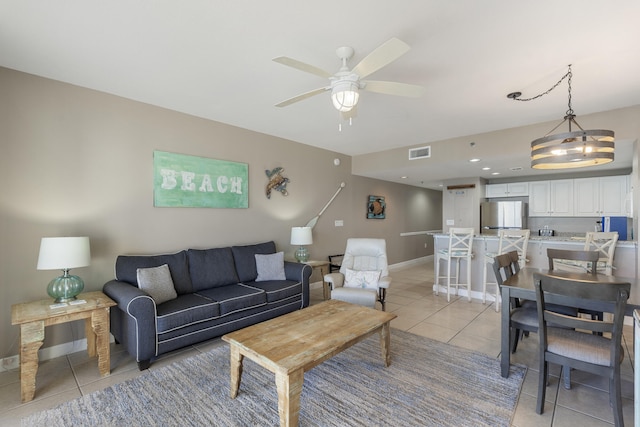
[{"x": 216, "y": 292}]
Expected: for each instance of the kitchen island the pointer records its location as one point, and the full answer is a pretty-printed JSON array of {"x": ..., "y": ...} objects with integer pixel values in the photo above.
[{"x": 624, "y": 261}]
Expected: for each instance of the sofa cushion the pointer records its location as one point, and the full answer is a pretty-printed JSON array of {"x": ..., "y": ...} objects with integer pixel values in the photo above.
[
  {"x": 184, "y": 311},
  {"x": 127, "y": 268},
  {"x": 156, "y": 281},
  {"x": 211, "y": 267},
  {"x": 244, "y": 257},
  {"x": 233, "y": 298},
  {"x": 270, "y": 267},
  {"x": 277, "y": 290}
]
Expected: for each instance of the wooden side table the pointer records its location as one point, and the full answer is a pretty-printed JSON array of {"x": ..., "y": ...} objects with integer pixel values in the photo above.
[
  {"x": 34, "y": 316},
  {"x": 323, "y": 266}
]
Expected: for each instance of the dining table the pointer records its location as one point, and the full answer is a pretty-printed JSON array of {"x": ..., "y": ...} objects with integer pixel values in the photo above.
[{"x": 521, "y": 286}]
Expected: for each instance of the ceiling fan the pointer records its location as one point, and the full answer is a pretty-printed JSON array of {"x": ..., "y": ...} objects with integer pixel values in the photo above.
[{"x": 346, "y": 84}]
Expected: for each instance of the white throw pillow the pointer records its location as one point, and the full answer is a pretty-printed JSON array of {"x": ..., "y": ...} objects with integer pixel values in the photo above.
[
  {"x": 270, "y": 267},
  {"x": 361, "y": 279},
  {"x": 157, "y": 282}
]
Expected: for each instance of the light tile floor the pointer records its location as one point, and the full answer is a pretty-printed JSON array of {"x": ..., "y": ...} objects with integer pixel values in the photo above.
[{"x": 471, "y": 325}]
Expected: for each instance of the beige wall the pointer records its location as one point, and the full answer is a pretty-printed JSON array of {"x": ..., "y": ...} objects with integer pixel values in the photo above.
[{"x": 79, "y": 162}]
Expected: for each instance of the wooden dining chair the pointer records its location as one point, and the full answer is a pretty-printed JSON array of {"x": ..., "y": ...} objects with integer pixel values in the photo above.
[
  {"x": 521, "y": 318},
  {"x": 585, "y": 261},
  {"x": 509, "y": 240},
  {"x": 564, "y": 259},
  {"x": 570, "y": 342}
]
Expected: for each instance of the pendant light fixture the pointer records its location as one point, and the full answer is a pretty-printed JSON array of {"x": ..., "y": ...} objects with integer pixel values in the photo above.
[{"x": 576, "y": 148}]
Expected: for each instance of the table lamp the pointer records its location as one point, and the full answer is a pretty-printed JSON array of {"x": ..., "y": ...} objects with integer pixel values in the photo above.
[
  {"x": 301, "y": 236},
  {"x": 64, "y": 253}
]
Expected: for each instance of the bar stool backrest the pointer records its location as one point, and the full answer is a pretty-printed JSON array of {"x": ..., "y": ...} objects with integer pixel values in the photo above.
[{"x": 605, "y": 244}]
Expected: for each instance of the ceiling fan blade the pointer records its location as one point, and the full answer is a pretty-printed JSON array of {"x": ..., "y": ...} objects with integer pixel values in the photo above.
[
  {"x": 394, "y": 88},
  {"x": 383, "y": 55},
  {"x": 290, "y": 62},
  {"x": 302, "y": 96}
]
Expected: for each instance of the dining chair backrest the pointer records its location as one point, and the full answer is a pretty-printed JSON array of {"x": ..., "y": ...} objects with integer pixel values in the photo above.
[
  {"x": 460, "y": 242},
  {"x": 514, "y": 240},
  {"x": 590, "y": 258},
  {"x": 605, "y": 244},
  {"x": 505, "y": 266}
]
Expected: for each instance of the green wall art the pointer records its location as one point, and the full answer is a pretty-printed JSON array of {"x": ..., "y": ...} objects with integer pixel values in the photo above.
[{"x": 180, "y": 180}]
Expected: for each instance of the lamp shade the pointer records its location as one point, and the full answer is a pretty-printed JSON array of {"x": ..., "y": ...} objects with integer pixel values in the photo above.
[
  {"x": 301, "y": 236},
  {"x": 57, "y": 253}
]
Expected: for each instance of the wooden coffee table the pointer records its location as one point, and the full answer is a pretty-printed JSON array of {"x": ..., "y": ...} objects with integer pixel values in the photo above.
[{"x": 294, "y": 343}]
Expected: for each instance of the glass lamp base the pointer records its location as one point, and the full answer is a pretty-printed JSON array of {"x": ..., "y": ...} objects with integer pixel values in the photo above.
[
  {"x": 302, "y": 255},
  {"x": 65, "y": 288}
]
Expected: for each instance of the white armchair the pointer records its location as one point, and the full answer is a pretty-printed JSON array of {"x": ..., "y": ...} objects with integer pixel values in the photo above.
[{"x": 364, "y": 275}]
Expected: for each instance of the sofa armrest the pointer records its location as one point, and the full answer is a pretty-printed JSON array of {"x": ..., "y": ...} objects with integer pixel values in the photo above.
[
  {"x": 335, "y": 280},
  {"x": 299, "y": 273},
  {"x": 135, "y": 326}
]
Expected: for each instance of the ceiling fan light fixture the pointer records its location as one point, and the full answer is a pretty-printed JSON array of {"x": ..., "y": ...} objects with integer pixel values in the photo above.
[{"x": 345, "y": 95}]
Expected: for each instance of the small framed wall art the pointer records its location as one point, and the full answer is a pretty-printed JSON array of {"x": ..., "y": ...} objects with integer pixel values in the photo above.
[{"x": 376, "y": 207}]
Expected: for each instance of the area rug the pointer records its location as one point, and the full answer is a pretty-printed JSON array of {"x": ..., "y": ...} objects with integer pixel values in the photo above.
[{"x": 429, "y": 383}]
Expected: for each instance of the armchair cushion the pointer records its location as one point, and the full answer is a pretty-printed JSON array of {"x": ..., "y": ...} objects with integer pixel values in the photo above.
[
  {"x": 157, "y": 282},
  {"x": 270, "y": 267},
  {"x": 367, "y": 279}
]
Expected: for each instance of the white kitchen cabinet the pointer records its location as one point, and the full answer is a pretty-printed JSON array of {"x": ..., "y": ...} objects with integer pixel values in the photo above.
[
  {"x": 604, "y": 196},
  {"x": 551, "y": 198},
  {"x": 512, "y": 189}
]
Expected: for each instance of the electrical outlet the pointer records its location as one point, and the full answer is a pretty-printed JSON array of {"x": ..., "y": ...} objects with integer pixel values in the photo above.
[
  {"x": 338, "y": 223},
  {"x": 425, "y": 246},
  {"x": 9, "y": 363}
]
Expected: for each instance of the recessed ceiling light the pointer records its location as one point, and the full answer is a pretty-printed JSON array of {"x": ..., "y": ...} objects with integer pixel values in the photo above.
[
  {"x": 474, "y": 160},
  {"x": 486, "y": 168},
  {"x": 495, "y": 173},
  {"x": 403, "y": 177}
]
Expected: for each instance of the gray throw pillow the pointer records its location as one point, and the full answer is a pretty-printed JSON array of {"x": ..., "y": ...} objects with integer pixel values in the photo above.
[
  {"x": 156, "y": 281},
  {"x": 270, "y": 267}
]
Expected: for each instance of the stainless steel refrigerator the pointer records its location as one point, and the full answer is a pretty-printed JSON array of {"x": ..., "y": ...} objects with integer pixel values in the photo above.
[{"x": 495, "y": 216}]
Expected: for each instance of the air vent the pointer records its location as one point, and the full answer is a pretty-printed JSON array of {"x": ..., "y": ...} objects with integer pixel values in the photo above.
[{"x": 419, "y": 153}]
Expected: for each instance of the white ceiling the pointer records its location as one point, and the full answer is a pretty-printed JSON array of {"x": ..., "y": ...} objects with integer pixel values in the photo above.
[{"x": 213, "y": 59}]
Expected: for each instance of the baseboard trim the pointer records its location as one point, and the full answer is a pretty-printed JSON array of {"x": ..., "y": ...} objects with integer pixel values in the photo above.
[{"x": 13, "y": 362}]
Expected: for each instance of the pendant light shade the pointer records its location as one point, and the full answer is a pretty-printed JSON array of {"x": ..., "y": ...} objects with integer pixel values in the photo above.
[{"x": 572, "y": 149}]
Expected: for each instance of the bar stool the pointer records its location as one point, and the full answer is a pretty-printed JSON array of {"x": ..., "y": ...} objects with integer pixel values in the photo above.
[
  {"x": 605, "y": 244},
  {"x": 510, "y": 240},
  {"x": 460, "y": 243}
]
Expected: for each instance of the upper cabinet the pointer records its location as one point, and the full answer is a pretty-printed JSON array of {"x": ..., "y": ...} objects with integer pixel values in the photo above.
[
  {"x": 551, "y": 198},
  {"x": 604, "y": 196},
  {"x": 513, "y": 189}
]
